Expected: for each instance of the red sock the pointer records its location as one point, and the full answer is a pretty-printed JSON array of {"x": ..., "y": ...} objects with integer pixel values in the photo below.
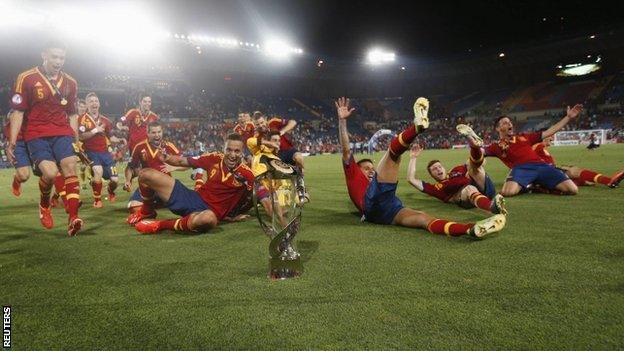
[
  {"x": 401, "y": 142},
  {"x": 97, "y": 189},
  {"x": 593, "y": 177},
  {"x": 45, "y": 189},
  {"x": 59, "y": 184},
  {"x": 481, "y": 201},
  {"x": 72, "y": 202},
  {"x": 476, "y": 156},
  {"x": 179, "y": 224},
  {"x": 147, "y": 195},
  {"x": 442, "y": 226},
  {"x": 112, "y": 186}
]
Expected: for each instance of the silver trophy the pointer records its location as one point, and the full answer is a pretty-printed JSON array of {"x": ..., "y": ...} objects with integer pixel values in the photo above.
[{"x": 278, "y": 199}]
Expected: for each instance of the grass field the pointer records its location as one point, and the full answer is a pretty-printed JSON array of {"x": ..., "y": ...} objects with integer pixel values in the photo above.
[{"x": 553, "y": 279}]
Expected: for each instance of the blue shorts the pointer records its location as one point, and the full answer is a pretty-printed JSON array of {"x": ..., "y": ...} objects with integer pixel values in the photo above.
[
  {"x": 540, "y": 173},
  {"x": 288, "y": 156},
  {"x": 53, "y": 149},
  {"x": 104, "y": 159},
  {"x": 381, "y": 204},
  {"x": 184, "y": 201},
  {"x": 490, "y": 188},
  {"x": 22, "y": 159}
]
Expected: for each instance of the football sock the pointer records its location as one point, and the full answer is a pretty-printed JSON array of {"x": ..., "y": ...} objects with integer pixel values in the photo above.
[
  {"x": 593, "y": 177},
  {"x": 481, "y": 201},
  {"x": 97, "y": 189},
  {"x": 147, "y": 195},
  {"x": 442, "y": 226},
  {"x": 44, "y": 190},
  {"x": 401, "y": 142},
  {"x": 476, "y": 156},
  {"x": 72, "y": 188},
  {"x": 179, "y": 224}
]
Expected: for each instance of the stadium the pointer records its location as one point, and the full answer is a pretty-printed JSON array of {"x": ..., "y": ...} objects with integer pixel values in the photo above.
[{"x": 256, "y": 175}]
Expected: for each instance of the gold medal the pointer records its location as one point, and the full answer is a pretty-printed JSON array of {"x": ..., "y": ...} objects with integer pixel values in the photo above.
[{"x": 63, "y": 101}]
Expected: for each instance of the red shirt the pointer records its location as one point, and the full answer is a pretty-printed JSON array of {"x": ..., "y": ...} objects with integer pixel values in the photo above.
[
  {"x": 277, "y": 124},
  {"x": 44, "y": 115},
  {"x": 455, "y": 181},
  {"x": 357, "y": 182},
  {"x": 223, "y": 189},
  {"x": 540, "y": 150},
  {"x": 7, "y": 131},
  {"x": 246, "y": 131},
  {"x": 98, "y": 142},
  {"x": 145, "y": 155},
  {"x": 517, "y": 150},
  {"x": 137, "y": 125}
]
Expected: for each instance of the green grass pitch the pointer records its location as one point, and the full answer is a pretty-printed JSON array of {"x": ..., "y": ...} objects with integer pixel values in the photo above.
[{"x": 553, "y": 279}]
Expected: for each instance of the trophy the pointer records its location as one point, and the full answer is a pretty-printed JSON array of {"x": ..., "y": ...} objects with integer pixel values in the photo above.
[{"x": 278, "y": 198}]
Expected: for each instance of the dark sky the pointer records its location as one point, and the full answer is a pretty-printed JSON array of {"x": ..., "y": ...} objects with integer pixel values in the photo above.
[{"x": 345, "y": 29}]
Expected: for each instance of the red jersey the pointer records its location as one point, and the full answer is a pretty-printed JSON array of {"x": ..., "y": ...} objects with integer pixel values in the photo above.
[
  {"x": 45, "y": 112},
  {"x": 455, "y": 181},
  {"x": 540, "y": 150},
  {"x": 145, "y": 155},
  {"x": 357, "y": 182},
  {"x": 7, "y": 131},
  {"x": 100, "y": 141},
  {"x": 246, "y": 131},
  {"x": 137, "y": 125},
  {"x": 517, "y": 150},
  {"x": 277, "y": 124},
  {"x": 224, "y": 188}
]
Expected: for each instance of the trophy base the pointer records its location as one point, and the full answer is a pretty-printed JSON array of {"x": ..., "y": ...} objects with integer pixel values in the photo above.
[{"x": 280, "y": 269}]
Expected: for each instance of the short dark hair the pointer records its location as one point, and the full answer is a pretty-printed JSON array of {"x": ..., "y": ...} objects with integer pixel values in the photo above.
[
  {"x": 364, "y": 160},
  {"x": 54, "y": 44},
  {"x": 431, "y": 163},
  {"x": 274, "y": 132},
  {"x": 89, "y": 95},
  {"x": 234, "y": 137},
  {"x": 498, "y": 120},
  {"x": 153, "y": 124}
]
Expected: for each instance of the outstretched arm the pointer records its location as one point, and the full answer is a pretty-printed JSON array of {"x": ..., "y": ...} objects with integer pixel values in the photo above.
[
  {"x": 290, "y": 125},
  {"x": 343, "y": 110},
  {"x": 172, "y": 160},
  {"x": 411, "y": 168},
  {"x": 571, "y": 115}
]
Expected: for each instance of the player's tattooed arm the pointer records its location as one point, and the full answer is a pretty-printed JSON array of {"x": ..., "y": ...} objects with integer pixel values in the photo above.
[
  {"x": 16, "y": 118},
  {"x": 411, "y": 168},
  {"x": 290, "y": 125},
  {"x": 572, "y": 114},
  {"x": 344, "y": 111}
]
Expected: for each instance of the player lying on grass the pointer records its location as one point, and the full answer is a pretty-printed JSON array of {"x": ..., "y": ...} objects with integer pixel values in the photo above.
[
  {"x": 579, "y": 176},
  {"x": 516, "y": 152},
  {"x": 146, "y": 154},
  {"x": 229, "y": 181},
  {"x": 373, "y": 191},
  {"x": 466, "y": 185}
]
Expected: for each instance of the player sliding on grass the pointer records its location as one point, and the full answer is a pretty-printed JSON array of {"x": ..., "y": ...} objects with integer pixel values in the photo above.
[
  {"x": 579, "y": 176},
  {"x": 516, "y": 152},
  {"x": 229, "y": 180},
  {"x": 466, "y": 185},
  {"x": 374, "y": 191}
]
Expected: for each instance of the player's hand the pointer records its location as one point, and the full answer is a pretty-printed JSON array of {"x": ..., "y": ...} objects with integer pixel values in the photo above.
[
  {"x": 127, "y": 186},
  {"x": 239, "y": 218},
  {"x": 415, "y": 150},
  {"x": 574, "y": 112},
  {"x": 273, "y": 145},
  {"x": 342, "y": 107},
  {"x": 10, "y": 151}
]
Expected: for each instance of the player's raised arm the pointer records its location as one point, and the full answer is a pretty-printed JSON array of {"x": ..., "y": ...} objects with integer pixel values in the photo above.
[
  {"x": 343, "y": 110},
  {"x": 572, "y": 114},
  {"x": 411, "y": 168},
  {"x": 290, "y": 125}
]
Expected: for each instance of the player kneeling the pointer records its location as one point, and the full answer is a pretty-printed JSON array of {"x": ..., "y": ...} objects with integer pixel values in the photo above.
[{"x": 229, "y": 180}]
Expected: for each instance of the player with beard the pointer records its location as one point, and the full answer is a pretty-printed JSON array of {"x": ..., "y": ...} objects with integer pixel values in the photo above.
[
  {"x": 229, "y": 180},
  {"x": 373, "y": 191},
  {"x": 527, "y": 167}
]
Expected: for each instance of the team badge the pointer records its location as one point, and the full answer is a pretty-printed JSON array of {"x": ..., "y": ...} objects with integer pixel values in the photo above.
[{"x": 17, "y": 99}]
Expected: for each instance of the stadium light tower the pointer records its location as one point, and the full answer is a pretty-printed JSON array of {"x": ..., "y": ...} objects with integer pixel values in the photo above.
[
  {"x": 280, "y": 49},
  {"x": 378, "y": 57}
]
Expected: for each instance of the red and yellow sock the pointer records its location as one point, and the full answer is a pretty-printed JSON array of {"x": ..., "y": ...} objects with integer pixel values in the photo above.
[
  {"x": 593, "y": 177},
  {"x": 199, "y": 180},
  {"x": 45, "y": 189},
  {"x": 442, "y": 226},
  {"x": 179, "y": 224},
  {"x": 481, "y": 201},
  {"x": 476, "y": 156},
  {"x": 147, "y": 195},
  {"x": 72, "y": 202},
  {"x": 401, "y": 142},
  {"x": 97, "y": 189},
  {"x": 112, "y": 186}
]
